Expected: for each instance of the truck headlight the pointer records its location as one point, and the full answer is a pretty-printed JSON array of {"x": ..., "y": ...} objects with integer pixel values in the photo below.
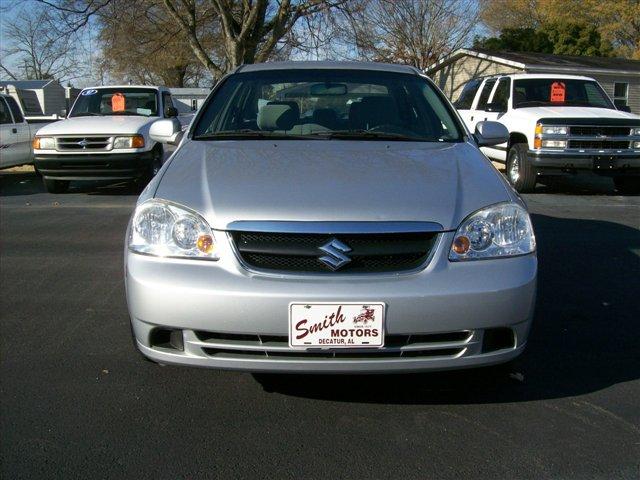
[
  {"x": 44, "y": 143},
  {"x": 635, "y": 131},
  {"x": 636, "y": 144},
  {"x": 551, "y": 130},
  {"x": 130, "y": 141},
  {"x": 502, "y": 230},
  {"x": 163, "y": 229}
]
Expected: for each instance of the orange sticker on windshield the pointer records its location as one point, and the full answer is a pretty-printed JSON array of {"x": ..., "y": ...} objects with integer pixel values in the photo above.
[
  {"x": 117, "y": 102},
  {"x": 557, "y": 92}
]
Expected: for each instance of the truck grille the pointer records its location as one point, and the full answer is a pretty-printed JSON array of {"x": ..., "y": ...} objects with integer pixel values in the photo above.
[
  {"x": 287, "y": 252},
  {"x": 83, "y": 143},
  {"x": 600, "y": 144},
  {"x": 591, "y": 131}
]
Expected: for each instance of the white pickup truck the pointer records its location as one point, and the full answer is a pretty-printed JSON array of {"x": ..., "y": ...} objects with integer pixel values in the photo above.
[
  {"x": 558, "y": 125},
  {"x": 104, "y": 137},
  {"x": 15, "y": 134}
]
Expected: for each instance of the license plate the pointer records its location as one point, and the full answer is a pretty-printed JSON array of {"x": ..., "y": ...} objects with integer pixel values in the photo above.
[
  {"x": 336, "y": 325},
  {"x": 604, "y": 163}
]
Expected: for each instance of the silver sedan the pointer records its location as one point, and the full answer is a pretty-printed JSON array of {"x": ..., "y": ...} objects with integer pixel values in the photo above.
[{"x": 329, "y": 217}]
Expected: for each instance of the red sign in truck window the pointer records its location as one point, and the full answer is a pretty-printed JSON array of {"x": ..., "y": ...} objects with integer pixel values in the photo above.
[
  {"x": 558, "y": 90},
  {"x": 117, "y": 102}
]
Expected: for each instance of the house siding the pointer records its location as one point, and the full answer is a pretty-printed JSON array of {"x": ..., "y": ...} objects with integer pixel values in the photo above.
[
  {"x": 451, "y": 78},
  {"x": 53, "y": 98}
]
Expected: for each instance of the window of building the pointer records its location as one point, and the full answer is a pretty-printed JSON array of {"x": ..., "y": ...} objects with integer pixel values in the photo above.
[{"x": 620, "y": 94}]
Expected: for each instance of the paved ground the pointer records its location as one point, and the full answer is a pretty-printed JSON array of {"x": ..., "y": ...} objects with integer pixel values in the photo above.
[{"x": 78, "y": 402}]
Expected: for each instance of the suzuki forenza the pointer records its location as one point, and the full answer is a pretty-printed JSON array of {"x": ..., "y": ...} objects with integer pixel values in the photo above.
[{"x": 329, "y": 217}]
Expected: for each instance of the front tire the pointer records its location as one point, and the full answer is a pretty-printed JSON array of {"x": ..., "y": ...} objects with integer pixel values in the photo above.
[
  {"x": 520, "y": 173},
  {"x": 627, "y": 185},
  {"x": 55, "y": 186}
]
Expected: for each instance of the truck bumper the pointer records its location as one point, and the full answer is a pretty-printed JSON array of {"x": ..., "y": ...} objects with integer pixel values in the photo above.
[
  {"x": 610, "y": 164},
  {"x": 120, "y": 166}
]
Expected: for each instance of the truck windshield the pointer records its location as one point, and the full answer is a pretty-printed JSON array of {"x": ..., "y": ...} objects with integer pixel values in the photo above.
[
  {"x": 116, "y": 101},
  {"x": 327, "y": 104},
  {"x": 563, "y": 92}
]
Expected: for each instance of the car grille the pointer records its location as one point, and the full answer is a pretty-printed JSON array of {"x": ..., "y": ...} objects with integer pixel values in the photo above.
[
  {"x": 286, "y": 252},
  {"x": 221, "y": 345},
  {"x": 83, "y": 143},
  {"x": 600, "y": 144}
]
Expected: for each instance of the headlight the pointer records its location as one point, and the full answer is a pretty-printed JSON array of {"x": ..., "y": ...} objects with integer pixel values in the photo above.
[
  {"x": 636, "y": 144},
  {"x": 548, "y": 130},
  {"x": 554, "y": 143},
  {"x": 132, "y": 141},
  {"x": 502, "y": 230},
  {"x": 635, "y": 131},
  {"x": 44, "y": 143},
  {"x": 166, "y": 230}
]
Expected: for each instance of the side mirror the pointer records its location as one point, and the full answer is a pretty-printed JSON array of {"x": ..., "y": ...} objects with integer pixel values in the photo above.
[
  {"x": 63, "y": 113},
  {"x": 495, "y": 107},
  {"x": 624, "y": 108},
  {"x": 166, "y": 131},
  {"x": 488, "y": 134},
  {"x": 170, "y": 112}
]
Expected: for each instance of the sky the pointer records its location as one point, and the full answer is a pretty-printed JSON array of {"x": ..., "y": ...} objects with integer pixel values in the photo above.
[{"x": 9, "y": 9}]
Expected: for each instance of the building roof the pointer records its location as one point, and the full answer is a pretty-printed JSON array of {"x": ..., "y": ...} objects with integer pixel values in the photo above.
[
  {"x": 309, "y": 65},
  {"x": 531, "y": 61},
  {"x": 26, "y": 84}
]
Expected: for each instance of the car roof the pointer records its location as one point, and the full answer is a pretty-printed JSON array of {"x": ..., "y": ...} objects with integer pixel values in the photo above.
[{"x": 327, "y": 65}]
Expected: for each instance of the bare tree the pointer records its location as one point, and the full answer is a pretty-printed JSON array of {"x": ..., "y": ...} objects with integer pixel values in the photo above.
[
  {"x": 414, "y": 32},
  {"x": 37, "y": 49},
  {"x": 249, "y": 30},
  {"x": 141, "y": 43}
]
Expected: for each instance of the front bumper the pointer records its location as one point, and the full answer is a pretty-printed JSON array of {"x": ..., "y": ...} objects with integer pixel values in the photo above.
[
  {"x": 107, "y": 166},
  {"x": 231, "y": 318},
  {"x": 605, "y": 163}
]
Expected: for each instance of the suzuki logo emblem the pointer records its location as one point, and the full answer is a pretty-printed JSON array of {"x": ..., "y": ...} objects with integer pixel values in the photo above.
[
  {"x": 83, "y": 143},
  {"x": 335, "y": 251}
]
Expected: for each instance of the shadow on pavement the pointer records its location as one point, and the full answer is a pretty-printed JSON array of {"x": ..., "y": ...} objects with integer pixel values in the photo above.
[
  {"x": 28, "y": 183},
  {"x": 585, "y": 335}
]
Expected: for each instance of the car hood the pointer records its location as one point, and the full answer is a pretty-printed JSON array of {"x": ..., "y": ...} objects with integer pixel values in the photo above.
[
  {"x": 331, "y": 180},
  {"x": 106, "y": 125},
  {"x": 573, "y": 112}
]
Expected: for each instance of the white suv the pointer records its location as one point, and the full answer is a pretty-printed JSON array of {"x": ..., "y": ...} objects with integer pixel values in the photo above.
[{"x": 558, "y": 125}]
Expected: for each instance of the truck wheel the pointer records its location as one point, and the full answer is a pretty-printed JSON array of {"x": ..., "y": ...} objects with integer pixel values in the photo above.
[
  {"x": 520, "y": 173},
  {"x": 56, "y": 186},
  {"x": 627, "y": 185}
]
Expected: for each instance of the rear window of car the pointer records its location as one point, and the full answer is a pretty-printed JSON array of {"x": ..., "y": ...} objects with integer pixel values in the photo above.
[{"x": 328, "y": 103}]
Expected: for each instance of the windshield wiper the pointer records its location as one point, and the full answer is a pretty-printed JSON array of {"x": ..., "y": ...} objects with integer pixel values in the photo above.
[
  {"x": 368, "y": 134},
  {"x": 112, "y": 114},
  {"x": 86, "y": 114},
  {"x": 252, "y": 134}
]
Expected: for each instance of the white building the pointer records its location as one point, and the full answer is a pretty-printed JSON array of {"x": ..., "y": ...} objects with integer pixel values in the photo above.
[
  {"x": 37, "y": 97},
  {"x": 188, "y": 100}
]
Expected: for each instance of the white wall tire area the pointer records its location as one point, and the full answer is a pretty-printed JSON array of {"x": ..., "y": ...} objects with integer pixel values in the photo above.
[{"x": 520, "y": 173}]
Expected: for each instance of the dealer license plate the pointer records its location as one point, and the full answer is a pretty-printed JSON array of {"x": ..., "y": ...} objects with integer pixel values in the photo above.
[{"x": 336, "y": 325}]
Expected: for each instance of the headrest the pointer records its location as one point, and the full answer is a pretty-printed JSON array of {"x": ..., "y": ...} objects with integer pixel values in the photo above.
[
  {"x": 276, "y": 117},
  {"x": 294, "y": 105}
]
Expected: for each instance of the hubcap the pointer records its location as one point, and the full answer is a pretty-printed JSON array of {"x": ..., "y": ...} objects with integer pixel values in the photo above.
[{"x": 514, "y": 169}]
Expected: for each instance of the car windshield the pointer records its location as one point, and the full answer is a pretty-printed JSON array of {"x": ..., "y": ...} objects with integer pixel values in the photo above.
[
  {"x": 116, "y": 101},
  {"x": 562, "y": 92},
  {"x": 328, "y": 104}
]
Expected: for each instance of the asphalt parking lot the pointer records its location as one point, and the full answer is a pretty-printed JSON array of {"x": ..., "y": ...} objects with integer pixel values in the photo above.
[{"x": 78, "y": 401}]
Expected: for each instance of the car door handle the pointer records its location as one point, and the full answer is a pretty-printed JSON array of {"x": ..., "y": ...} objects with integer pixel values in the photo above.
[
  {"x": 472, "y": 118},
  {"x": 14, "y": 130}
]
